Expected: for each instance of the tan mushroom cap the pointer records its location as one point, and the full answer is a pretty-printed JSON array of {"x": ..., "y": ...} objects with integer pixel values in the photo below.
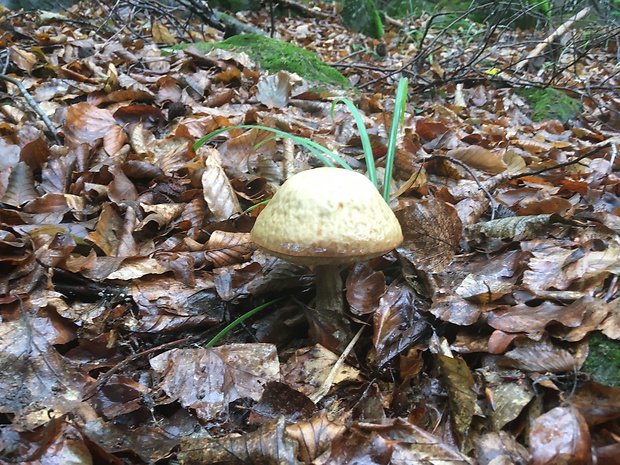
[{"x": 327, "y": 216}]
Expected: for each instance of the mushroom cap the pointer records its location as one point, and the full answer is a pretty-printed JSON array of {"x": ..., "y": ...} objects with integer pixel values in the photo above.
[{"x": 327, "y": 216}]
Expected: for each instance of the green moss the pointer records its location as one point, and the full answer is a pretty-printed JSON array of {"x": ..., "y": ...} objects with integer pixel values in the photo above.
[
  {"x": 550, "y": 104},
  {"x": 274, "y": 55},
  {"x": 362, "y": 16},
  {"x": 603, "y": 362}
]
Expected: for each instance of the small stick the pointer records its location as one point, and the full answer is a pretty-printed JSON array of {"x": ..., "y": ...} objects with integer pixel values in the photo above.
[
  {"x": 559, "y": 32},
  {"x": 34, "y": 105},
  {"x": 324, "y": 389}
]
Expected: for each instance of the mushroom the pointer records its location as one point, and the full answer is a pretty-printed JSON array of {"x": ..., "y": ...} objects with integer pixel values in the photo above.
[{"x": 327, "y": 217}]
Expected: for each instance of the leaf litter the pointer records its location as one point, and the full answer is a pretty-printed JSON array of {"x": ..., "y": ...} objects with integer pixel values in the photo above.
[{"x": 125, "y": 250}]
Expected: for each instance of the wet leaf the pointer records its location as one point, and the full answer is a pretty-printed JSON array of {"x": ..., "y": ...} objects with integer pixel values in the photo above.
[
  {"x": 560, "y": 436},
  {"x": 459, "y": 383},
  {"x": 269, "y": 445},
  {"x": 207, "y": 380}
]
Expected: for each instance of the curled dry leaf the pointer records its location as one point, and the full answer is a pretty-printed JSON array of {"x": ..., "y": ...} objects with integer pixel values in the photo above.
[
  {"x": 274, "y": 90},
  {"x": 269, "y": 445},
  {"x": 315, "y": 436},
  {"x": 107, "y": 234},
  {"x": 20, "y": 188},
  {"x": 217, "y": 190}
]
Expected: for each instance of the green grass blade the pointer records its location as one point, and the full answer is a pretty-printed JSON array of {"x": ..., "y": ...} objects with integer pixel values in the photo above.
[
  {"x": 242, "y": 318},
  {"x": 316, "y": 149},
  {"x": 361, "y": 127},
  {"x": 397, "y": 120}
]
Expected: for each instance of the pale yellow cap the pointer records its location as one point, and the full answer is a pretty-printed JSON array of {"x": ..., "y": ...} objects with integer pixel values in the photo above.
[{"x": 327, "y": 216}]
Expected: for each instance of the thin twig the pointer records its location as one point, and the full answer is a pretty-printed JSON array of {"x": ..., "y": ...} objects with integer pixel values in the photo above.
[
  {"x": 589, "y": 153},
  {"x": 327, "y": 385},
  {"x": 34, "y": 105},
  {"x": 108, "y": 374},
  {"x": 471, "y": 173}
]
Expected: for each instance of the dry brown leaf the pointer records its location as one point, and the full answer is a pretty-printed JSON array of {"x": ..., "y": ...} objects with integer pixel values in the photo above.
[
  {"x": 20, "y": 188},
  {"x": 432, "y": 231},
  {"x": 161, "y": 34},
  {"x": 479, "y": 158},
  {"x": 227, "y": 248},
  {"x": 86, "y": 124},
  {"x": 217, "y": 190},
  {"x": 109, "y": 229},
  {"x": 273, "y": 91}
]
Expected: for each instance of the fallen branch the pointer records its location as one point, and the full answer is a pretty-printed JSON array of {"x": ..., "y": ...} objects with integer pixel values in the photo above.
[
  {"x": 34, "y": 105},
  {"x": 559, "y": 32}
]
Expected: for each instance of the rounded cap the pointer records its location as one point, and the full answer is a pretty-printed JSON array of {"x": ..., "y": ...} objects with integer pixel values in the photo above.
[{"x": 327, "y": 216}]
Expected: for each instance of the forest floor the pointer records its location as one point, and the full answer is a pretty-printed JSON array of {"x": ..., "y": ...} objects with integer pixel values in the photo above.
[{"x": 488, "y": 336}]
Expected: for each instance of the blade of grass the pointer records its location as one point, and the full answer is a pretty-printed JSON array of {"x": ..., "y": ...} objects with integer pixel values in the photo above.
[
  {"x": 361, "y": 127},
  {"x": 397, "y": 120},
  {"x": 242, "y": 318},
  {"x": 317, "y": 150}
]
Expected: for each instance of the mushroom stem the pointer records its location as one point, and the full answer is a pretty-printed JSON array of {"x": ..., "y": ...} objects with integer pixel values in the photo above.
[
  {"x": 329, "y": 288},
  {"x": 330, "y": 302}
]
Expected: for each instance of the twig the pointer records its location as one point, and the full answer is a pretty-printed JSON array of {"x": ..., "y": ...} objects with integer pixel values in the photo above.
[
  {"x": 589, "y": 153},
  {"x": 34, "y": 105},
  {"x": 559, "y": 32},
  {"x": 471, "y": 173},
  {"x": 108, "y": 374},
  {"x": 324, "y": 389}
]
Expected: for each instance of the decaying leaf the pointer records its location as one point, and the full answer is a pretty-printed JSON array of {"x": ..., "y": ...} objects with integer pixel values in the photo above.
[
  {"x": 522, "y": 227},
  {"x": 207, "y": 380},
  {"x": 269, "y": 445},
  {"x": 432, "y": 231},
  {"x": 459, "y": 383}
]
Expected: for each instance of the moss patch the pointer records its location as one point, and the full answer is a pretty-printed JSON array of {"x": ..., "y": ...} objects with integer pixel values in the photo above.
[
  {"x": 550, "y": 104},
  {"x": 603, "y": 361},
  {"x": 274, "y": 55}
]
